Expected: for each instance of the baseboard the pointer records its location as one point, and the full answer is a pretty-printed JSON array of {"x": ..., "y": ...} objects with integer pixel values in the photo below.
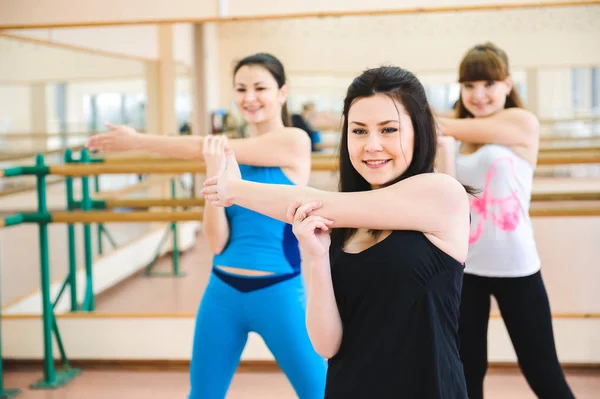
[
  {"x": 261, "y": 366},
  {"x": 135, "y": 365}
]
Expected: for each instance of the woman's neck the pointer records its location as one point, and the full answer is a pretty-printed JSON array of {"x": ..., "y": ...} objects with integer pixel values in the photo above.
[{"x": 266, "y": 127}]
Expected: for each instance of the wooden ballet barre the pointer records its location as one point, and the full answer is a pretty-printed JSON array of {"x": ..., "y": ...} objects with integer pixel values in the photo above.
[
  {"x": 328, "y": 163},
  {"x": 143, "y": 203},
  {"x": 566, "y": 158},
  {"x": 7, "y": 157},
  {"x": 543, "y": 209},
  {"x": 566, "y": 208},
  {"x": 100, "y": 217},
  {"x": 150, "y": 202},
  {"x": 139, "y": 159},
  {"x": 138, "y": 168},
  {"x": 99, "y": 169},
  {"x": 322, "y": 162},
  {"x": 129, "y": 156},
  {"x": 566, "y": 196},
  {"x": 545, "y": 138},
  {"x": 43, "y": 136},
  {"x": 570, "y": 149},
  {"x": 549, "y": 156}
]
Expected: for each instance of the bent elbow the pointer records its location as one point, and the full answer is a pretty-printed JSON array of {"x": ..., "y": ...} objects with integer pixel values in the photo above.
[
  {"x": 326, "y": 347},
  {"x": 326, "y": 353},
  {"x": 216, "y": 247},
  {"x": 326, "y": 350}
]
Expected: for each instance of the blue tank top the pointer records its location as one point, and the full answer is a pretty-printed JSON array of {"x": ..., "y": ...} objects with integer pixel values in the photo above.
[{"x": 256, "y": 241}]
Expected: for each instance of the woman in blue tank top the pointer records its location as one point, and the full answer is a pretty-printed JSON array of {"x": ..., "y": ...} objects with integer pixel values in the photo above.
[
  {"x": 384, "y": 290},
  {"x": 256, "y": 283}
]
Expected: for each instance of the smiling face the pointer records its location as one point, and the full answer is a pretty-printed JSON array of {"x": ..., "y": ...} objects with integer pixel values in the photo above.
[
  {"x": 484, "y": 98},
  {"x": 380, "y": 139},
  {"x": 257, "y": 95}
]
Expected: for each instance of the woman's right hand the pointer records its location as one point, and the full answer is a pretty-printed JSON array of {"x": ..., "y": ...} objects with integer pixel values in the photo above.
[
  {"x": 118, "y": 138},
  {"x": 311, "y": 231}
]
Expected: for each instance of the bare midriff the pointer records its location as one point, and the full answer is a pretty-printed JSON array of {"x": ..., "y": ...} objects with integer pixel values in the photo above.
[{"x": 243, "y": 272}]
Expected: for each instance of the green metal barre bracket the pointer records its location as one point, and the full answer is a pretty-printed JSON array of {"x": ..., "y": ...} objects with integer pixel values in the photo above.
[
  {"x": 13, "y": 220},
  {"x": 26, "y": 170},
  {"x": 96, "y": 204},
  {"x": 9, "y": 393},
  {"x": 61, "y": 378},
  {"x": 103, "y": 230},
  {"x": 34, "y": 217},
  {"x": 149, "y": 271},
  {"x": 175, "y": 253}
]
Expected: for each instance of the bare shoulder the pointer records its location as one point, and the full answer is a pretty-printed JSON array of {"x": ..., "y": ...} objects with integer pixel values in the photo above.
[
  {"x": 440, "y": 184},
  {"x": 522, "y": 117},
  {"x": 296, "y": 134}
]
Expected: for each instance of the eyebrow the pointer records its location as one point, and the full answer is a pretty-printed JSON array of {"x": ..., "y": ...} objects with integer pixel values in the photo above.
[
  {"x": 380, "y": 123},
  {"x": 256, "y": 83}
]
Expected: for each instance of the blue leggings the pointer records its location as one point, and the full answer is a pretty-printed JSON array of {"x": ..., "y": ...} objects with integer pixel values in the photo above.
[{"x": 276, "y": 312}]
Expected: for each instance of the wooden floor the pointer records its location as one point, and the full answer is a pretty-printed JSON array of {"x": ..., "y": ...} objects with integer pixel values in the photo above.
[
  {"x": 94, "y": 384},
  {"x": 142, "y": 294}
]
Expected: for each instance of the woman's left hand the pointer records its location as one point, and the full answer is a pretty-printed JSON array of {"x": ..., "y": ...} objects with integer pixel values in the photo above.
[{"x": 216, "y": 189}]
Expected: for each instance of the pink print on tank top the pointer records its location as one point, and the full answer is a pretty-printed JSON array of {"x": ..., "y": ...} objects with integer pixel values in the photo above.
[{"x": 503, "y": 212}]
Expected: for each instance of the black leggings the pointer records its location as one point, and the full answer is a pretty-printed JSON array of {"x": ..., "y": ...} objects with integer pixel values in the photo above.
[{"x": 524, "y": 306}]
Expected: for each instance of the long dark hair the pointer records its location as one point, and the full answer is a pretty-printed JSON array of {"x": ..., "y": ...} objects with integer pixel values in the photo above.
[
  {"x": 485, "y": 62},
  {"x": 275, "y": 68},
  {"x": 404, "y": 87}
]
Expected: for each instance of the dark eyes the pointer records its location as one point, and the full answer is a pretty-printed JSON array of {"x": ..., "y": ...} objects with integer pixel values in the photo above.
[
  {"x": 385, "y": 130},
  {"x": 489, "y": 83},
  {"x": 241, "y": 90}
]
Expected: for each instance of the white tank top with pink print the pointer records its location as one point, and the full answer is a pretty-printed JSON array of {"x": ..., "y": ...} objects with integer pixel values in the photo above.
[{"x": 501, "y": 241}]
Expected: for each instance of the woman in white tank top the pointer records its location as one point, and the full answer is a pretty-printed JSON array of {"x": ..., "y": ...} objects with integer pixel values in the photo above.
[{"x": 497, "y": 155}]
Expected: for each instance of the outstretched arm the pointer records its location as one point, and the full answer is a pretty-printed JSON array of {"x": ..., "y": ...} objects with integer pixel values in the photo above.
[
  {"x": 432, "y": 203},
  {"x": 420, "y": 203},
  {"x": 287, "y": 148},
  {"x": 511, "y": 127}
]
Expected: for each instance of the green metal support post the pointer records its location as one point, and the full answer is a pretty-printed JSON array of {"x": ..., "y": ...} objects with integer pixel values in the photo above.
[
  {"x": 86, "y": 205},
  {"x": 5, "y": 393},
  {"x": 71, "y": 237},
  {"x": 99, "y": 226},
  {"x": 174, "y": 230},
  {"x": 52, "y": 378}
]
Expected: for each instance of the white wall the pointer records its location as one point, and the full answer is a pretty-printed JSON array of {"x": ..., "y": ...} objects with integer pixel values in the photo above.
[
  {"x": 26, "y": 62},
  {"x": 320, "y": 53},
  {"x": 14, "y": 108},
  {"x": 129, "y": 40}
]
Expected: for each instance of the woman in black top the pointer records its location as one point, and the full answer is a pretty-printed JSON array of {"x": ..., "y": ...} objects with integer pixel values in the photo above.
[{"x": 384, "y": 288}]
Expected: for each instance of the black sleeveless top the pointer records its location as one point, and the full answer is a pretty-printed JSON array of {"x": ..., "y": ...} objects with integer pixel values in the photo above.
[{"x": 399, "y": 305}]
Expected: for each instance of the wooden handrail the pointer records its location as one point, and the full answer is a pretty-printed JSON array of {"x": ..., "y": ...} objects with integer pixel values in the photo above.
[
  {"x": 7, "y": 156},
  {"x": 43, "y": 136},
  {"x": 540, "y": 209}
]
